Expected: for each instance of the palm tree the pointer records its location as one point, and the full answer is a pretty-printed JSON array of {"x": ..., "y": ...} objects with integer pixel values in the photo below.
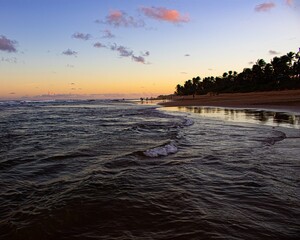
[
  {"x": 179, "y": 90},
  {"x": 282, "y": 73},
  {"x": 195, "y": 85},
  {"x": 268, "y": 76},
  {"x": 261, "y": 63},
  {"x": 188, "y": 87},
  {"x": 291, "y": 57}
]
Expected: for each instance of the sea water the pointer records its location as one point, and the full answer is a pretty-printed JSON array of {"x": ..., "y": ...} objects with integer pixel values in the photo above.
[{"x": 118, "y": 170}]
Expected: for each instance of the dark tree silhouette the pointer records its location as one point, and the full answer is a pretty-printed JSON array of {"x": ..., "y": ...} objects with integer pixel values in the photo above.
[{"x": 281, "y": 73}]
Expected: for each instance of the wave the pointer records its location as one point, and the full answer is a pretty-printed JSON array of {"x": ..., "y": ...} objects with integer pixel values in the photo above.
[
  {"x": 161, "y": 151},
  {"x": 277, "y": 137},
  {"x": 53, "y": 101},
  {"x": 188, "y": 122}
]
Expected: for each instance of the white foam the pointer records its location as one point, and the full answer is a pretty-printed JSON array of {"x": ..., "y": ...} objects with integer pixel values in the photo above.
[
  {"x": 188, "y": 122},
  {"x": 161, "y": 151}
]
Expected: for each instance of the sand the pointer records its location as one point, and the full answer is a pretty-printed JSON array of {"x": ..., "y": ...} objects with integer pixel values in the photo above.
[{"x": 288, "y": 100}]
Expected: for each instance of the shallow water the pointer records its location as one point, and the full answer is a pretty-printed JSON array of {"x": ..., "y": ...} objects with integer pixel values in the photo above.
[{"x": 82, "y": 170}]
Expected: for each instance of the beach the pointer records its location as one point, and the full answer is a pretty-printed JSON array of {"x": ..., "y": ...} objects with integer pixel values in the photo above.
[{"x": 288, "y": 100}]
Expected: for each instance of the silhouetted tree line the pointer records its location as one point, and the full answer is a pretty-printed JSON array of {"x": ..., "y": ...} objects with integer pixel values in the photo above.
[{"x": 282, "y": 73}]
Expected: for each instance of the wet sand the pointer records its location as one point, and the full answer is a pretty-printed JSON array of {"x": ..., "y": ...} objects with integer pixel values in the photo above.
[{"x": 288, "y": 100}]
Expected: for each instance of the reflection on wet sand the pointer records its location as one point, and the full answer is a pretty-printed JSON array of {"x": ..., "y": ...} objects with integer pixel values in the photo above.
[{"x": 246, "y": 115}]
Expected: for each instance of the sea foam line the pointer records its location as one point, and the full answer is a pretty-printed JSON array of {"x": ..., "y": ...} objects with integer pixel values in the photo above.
[{"x": 165, "y": 150}]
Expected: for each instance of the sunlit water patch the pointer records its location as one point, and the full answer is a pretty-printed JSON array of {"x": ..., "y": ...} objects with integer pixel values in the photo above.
[{"x": 264, "y": 117}]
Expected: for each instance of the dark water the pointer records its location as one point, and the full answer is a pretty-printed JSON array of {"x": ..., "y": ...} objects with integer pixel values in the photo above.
[{"x": 113, "y": 170}]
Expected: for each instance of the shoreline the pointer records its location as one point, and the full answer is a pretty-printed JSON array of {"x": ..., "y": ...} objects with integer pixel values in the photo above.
[{"x": 286, "y": 101}]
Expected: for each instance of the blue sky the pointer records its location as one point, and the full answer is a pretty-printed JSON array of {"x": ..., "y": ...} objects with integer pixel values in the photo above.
[{"x": 131, "y": 48}]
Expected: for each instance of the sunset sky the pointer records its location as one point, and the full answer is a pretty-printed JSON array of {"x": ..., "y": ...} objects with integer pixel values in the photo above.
[{"x": 134, "y": 48}]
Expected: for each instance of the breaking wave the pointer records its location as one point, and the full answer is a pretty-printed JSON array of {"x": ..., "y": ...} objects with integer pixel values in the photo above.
[{"x": 161, "y": 151}]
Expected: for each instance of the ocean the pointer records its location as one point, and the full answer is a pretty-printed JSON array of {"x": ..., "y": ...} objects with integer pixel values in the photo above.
[{"x": 122, "y": 170}]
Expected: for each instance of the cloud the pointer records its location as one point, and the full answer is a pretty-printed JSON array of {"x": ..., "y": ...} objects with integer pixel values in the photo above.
[
  {"x": 108, "y": 34},
  {"x": 139, "y": 59},
  {"x": 272, "y": 52},
  {"x": 82, "y": 36},
  {"x": 264, "y": 7},
  {"x": 164, "y": 14},
  {"x": 187, "y": 55},
  {"x": 69, "y": 52},
  {"x": 125, "y": 52},
  {"x": 146, "y": 54},
  {"x": 99, "y": 45},
  {"x": 7, "y": 45},
  {"x": 289, "y": 2},
  {"x": 119, "y": 18},
  {"x": 9, "y": 60}
]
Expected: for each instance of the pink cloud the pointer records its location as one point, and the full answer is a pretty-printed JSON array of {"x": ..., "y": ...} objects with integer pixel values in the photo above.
[
  {"x": 164, "y": 14},
  {"x": 264, "y": 7},
  {"x": 118, "y": 18},
  {"x": 289, "y": 2}
]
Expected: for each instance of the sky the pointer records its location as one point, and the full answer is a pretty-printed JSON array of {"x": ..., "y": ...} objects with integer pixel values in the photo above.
[{"x": 135, "y": 48}]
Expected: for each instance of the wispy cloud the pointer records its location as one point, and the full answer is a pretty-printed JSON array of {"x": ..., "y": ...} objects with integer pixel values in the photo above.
[
  {"x": 146, "y": 54},
  {"x": 7, "y": 45},
  {"x": 108, "y": 34},
  {"x": 125, "y": 52},
  {"x": 139, "y": 59},
  {"x": 69, "y": 52},
  {"x": 164, "y": 14},
  {"x": 119, "y": 18},
  {"x": 264, "y": 7},
  {"x": 289, "y": 2},
  {"x": 81, "y": 36},
  {"x": 99, "y": 45},
  {"x": 273, "y": 52},
  {"x": 9, "y": 60}
]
